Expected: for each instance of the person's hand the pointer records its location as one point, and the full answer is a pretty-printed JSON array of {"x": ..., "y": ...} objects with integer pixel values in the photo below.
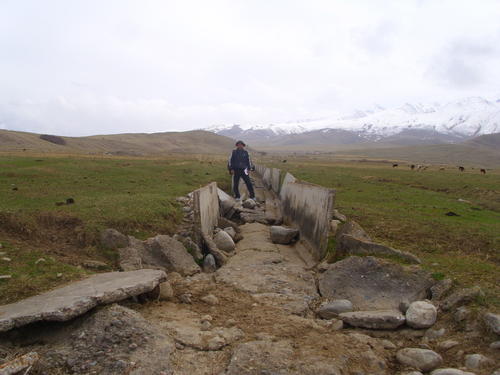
[{"x": 231, "y": 171}]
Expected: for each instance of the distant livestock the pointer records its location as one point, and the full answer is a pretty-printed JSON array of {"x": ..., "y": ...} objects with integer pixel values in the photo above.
[
  {"x": 461, "y": 169},
  {"x": 284, "y": 161},
  {"x": 441, "y": 169},
  {"x": 395, "y": 165},
  {"x": 412, "y": 166},
  {"x": 483, "y": 171}
]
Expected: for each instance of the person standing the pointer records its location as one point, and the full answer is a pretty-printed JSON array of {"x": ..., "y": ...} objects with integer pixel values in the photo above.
[{"x": 239, "y": 166}]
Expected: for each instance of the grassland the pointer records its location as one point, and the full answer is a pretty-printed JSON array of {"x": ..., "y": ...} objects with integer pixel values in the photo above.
[
  {"x": 407, "y": 210},
  {"x": 135, "y": 196}
]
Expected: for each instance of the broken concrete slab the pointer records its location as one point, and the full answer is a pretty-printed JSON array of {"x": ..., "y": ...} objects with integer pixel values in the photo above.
[
  {"x": 372, "y": 283},
  {"x": 283, "y": 235},
  {"x": 350, "y": 245},
  {"x": 65, "y": 303},
  {"x": 226, "y": 202},
  {"x": 377, "y": 319}
]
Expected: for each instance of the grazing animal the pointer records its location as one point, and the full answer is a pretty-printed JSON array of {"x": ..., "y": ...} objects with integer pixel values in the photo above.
[
  {"x": 483, "y": 171},
  {"x": 412, "y": 166},
  {"x": 395, "y": 165},
  {"x": 461, "y": 169},
  {"x": 284, "y": 161},
  {"x": 441, "y": 169}
]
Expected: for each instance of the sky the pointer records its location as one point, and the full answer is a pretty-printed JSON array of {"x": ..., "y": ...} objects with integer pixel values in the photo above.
[{"x": 83, "y": 67}]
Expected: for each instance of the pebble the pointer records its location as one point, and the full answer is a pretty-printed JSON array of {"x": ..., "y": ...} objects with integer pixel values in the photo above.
[
  {"x": 186, "y": 298},
  {"x": 210, "y": 299},
  {"x": 477, "y": 361},
  {"x": 206, "y": 318},
  {"x": 40, "y": 260},
  {"x": 388, "y": 344},
  {"x": 450, "y": 371},
  {"x": 179, "y": 346},
  {"x": 59, "y": 275},
  {"x": 421, "y": 359},
  {"x": 6, "y": 259},
  {"x": 230, "y": 322},
  {"x": 461, "y": 314},
  {"x": 433, "y": 334},
  {"x": 448, "y": 344},
  {"x": 421, "y": 314},
  {"x": 206, "y": 325}
]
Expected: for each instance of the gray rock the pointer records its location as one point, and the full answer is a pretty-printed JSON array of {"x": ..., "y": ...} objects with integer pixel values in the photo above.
[
  {"x": 492, "y": 322},
  {"x": 350, "y": 245},
  {"x": 334, "y": 225},
  {"x": 166, "y": 291},
  {"x": 338, "y": 216},
  {"x": 448, "y": 344},
  {"x": 67, "y": 302},
  {"x": 210, "y": 299},
  {"x": 254, "y": 217},
  {"x": 378, "y": 319},
  {"x": 249, "y": 203},
  {"x": 209, "y": 264},
  {"x": 461, "y": 314},
  {"x": 450, "y": 371},
  {"x": 421, "y": 314},
  {"x": 168, "y": 253},
  {"x": 231, "y": 232},
  {"x": 403, "y": 306},
  {"x": 219, "y": 255},
  {"x": 112, "y": 239},
  {"x": 461, "y": 297},
  {"x": 496, "y": 372},
  {"x": 441, "y": 288},
  {"x": 421, "y": 359},
  {"x": 495, "y": 345},
  {"x": 353, "y": 229},
  {"x": 94, "y": 264},
  {"x": 330, "y": 310},
  {"x": 433, "y": 334},
  {"x": 190, "y": 246},
  {"x": 371, "y": 283},
  {"x": 412, "y": 373},
  {"x": 477, "y": 361},
  {"x": 224, "y": 241},
  {"x": 283, "y": 235},
  {"x": 226, "y": 202},
  {"x": 388, "y": 344}
]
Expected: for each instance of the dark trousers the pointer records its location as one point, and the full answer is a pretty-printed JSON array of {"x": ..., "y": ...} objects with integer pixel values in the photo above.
[{"x": 240, "y": 173}]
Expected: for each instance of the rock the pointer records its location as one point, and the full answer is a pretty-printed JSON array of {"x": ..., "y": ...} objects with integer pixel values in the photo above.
[
  {"x": 388, "y": 344},
  {"x": 353, "y": 229},
  {"x": 461, "y": 297},
  {"x": 450, "y": 371},
  {"x": 231, "y": 232},
  {"x": 421, "y": 314},
  {"x": 492, "y": 322},
  {"x": 249, "y": 203},
  {"x": 209, "y": 264},
  {"x": 495, "y": 345},
  {"x": 165, "y": 252},
  {"x": 283, "y": 235},
  {"x": 334, "y": 226},
  {"x": 40, "y": 260},
  {"x": 210, "y": 299},
  {"x": 412, "y": 373},
  {"x": 329, "y": 310},
  {"x": 403, "y": 306},
  {"x": 440, "y": 289},
  {"x": 22, "y": 363},
  {"x": 67, "y": 302},
  {"x": 206, "y": 318},
  {"x": 226, "y": 202},
  {"x": 338, "y": 216},
  {"x": 448, "y": 344},
  {"x": 205, "y": 325},
  {"x": 350, "y": 245},
  {"x": 433, "y": 334},
  {"x": 94, "y": 265},
  {"x": 252, "y": 217},
  {"x": 378, "y": 319},
  {"x": 186, "y": 298},
  {"x": 191, "y": 247},
  {"x": 477, "y": 361},
  {"x": 224, "y": 241},
  {"x": 421, "y": 359},
  {"x": 166, "y": 291},
  {"x": 223, "y": 222},
  {"x": 374, "y": 284},
  {"x": 461, "y": 314},
  {"x": 112, "y": 239},
  {"x": 219, "y": 255}
]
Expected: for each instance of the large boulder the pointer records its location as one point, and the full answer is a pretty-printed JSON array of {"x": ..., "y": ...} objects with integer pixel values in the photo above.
[
  {"x": 422, "y": 359},
  {"x": 350, "y": 245},
  {"x": 378, "y": 319},
  {"x": 224, "y": 241},
  {"x": 75, "y": 299},
  {"x": 372, "y": 284},
  {"x": 461, "y": 297},
  {"x": 421, "y": 314},
  {"x": 112, "y": 239},
  {"x": 283, "y": 235},
  {"x": 168, "y": 253}
]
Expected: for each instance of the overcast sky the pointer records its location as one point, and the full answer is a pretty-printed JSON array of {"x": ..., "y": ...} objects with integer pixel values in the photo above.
[{"x": 80, "y": 67}]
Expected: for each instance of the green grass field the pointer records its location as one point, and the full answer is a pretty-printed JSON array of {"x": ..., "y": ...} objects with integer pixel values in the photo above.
[
  {"x": 401, "y": 208},
  {"x": 407, "y": 210},
  {"x": 135, "y": 196}
]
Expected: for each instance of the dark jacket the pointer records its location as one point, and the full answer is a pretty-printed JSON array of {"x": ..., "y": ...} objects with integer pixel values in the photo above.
[{"x": 239, "y": 159}]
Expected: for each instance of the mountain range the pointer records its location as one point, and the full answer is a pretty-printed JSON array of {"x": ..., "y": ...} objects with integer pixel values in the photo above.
[{"x": 410, "y": 124}]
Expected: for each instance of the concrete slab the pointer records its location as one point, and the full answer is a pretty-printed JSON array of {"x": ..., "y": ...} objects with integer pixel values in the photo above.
[{"x": 65, "y": 303}]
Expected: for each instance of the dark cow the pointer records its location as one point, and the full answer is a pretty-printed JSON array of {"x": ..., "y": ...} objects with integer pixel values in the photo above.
[
  {"x": 284, "y": 161},
  {"x": 461, "y": 169},
  {"x": 483, "y": 171},
  {"x": 412, "y": 166},
  {"x": 395, "y": 165}
]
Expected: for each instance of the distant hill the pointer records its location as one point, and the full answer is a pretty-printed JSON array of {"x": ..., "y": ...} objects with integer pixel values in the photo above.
[
  {"x": 197, "y": 142},
  {"x": 488, "y": 140}
]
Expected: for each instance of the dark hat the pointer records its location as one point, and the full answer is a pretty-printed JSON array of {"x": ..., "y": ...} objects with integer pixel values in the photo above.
[{"x": 240, "y": 142}]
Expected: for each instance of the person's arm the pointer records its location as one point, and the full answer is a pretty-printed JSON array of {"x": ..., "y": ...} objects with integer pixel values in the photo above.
[
  {"x": 250, "y": 164},
  {"x": 230, "y": 162}
]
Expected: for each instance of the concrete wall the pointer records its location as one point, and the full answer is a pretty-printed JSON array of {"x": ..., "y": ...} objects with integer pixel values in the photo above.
[
  {"x": 275, "y": 180},
  {"x": 309, "y": 207},
  {"x": 266, "y": 178},
  {"x": 206, "y": 208}
]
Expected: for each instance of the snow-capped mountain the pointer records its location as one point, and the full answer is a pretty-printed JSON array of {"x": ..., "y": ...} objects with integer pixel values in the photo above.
[{"x": 408, "y": 124}]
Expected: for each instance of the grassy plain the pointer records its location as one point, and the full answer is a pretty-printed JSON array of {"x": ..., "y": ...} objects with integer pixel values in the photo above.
[
  {"x": 135, "y": 196},
  {"x": 407, "y": 210}
]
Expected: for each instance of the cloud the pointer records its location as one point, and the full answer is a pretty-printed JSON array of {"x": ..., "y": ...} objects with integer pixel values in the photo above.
[{"x": 85, "y": 67}]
